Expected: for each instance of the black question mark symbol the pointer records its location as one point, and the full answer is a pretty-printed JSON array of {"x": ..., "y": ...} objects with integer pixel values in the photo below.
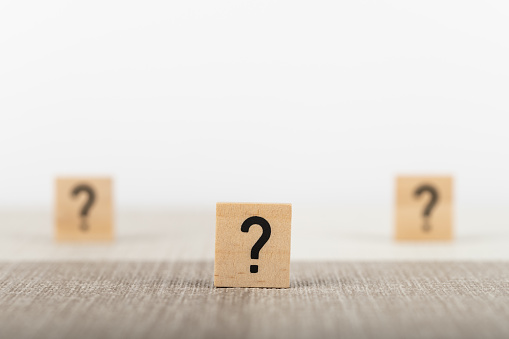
[
  {"x": 432, "y": 202},
  {"x": 255, "y": 251},
  {"x": 91, "y": 198}
]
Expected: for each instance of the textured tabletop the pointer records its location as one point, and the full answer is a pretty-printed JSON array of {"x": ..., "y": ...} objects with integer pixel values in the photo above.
[
  {"x": 326, "y": 300},
  {"x": 349, "y": 279}
]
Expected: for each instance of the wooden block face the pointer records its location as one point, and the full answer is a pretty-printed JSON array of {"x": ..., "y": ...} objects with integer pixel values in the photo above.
[
  {"x": 424, "y": 208},
  {"x": 240, "y": 227},
  {"x": 83, "y": 209}
]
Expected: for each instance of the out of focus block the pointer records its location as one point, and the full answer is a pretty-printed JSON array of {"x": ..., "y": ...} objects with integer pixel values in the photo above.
[
  {"x": 252, "y": 245},
  {"x": 83, "y": 209},
  {"x": 424, "y": 208}
]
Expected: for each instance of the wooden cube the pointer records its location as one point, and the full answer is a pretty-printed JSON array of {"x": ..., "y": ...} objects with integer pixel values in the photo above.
[
  {"x": 83, "y": 209},
  {"x": 252, "y": 245},
  {"x": 424, "y": 208}
]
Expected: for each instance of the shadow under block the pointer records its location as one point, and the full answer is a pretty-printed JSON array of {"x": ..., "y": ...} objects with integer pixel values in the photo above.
[
  {"x": 83, "y": 209},
  {"x": 424, "y": 208},
  {"x": 239, "y": 227}
]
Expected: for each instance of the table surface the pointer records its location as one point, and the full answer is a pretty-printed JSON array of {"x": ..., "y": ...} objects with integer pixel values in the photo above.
[
  {"x": 349, "y": 279},
  {"x": 326, "y": 300},
  {"x": 332, "y": 233}
]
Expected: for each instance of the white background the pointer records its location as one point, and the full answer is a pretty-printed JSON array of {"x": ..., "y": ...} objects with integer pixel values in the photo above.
[{"x": 308, "y": 102}]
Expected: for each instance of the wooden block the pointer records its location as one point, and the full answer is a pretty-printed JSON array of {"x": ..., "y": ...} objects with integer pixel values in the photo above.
[
  {"x": 424, "y": 208},
  {"x": 243, "y": 258},
  {"x": 83, "y": 209}
]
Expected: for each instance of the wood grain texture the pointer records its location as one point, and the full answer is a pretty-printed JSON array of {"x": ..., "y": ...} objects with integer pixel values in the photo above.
[
  {"x": 411, "y": 223},
  {"x": 70, "y": 224},
  {"x": 233, "y": 254},
  {"x": 148, "y": 300}
]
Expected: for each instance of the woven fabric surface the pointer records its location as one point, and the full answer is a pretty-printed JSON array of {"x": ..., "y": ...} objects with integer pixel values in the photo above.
[{"x": 326, "y": 300}]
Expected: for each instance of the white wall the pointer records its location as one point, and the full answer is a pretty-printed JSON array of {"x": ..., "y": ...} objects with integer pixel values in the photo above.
[{"x": 193, "y": 102}]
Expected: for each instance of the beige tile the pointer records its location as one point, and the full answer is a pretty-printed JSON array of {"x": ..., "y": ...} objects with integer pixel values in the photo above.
[
  {"x": 83, "y": 209},
  {"x": 239, "y": 226},
  {"x": 424, "y": 208}
]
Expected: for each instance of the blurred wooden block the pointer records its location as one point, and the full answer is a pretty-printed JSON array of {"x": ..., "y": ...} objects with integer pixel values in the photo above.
[
  {"x": 241, "y": 229},
  {"x": 424, "y": 208},
  {"x": 83, "y": 209}
]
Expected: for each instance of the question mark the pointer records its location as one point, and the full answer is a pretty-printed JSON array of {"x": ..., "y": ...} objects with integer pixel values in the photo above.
[
  {"x": 91, "y": 198},
  {"x": 432, "y": 202},
  {"x": 255, "y": 251}
]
